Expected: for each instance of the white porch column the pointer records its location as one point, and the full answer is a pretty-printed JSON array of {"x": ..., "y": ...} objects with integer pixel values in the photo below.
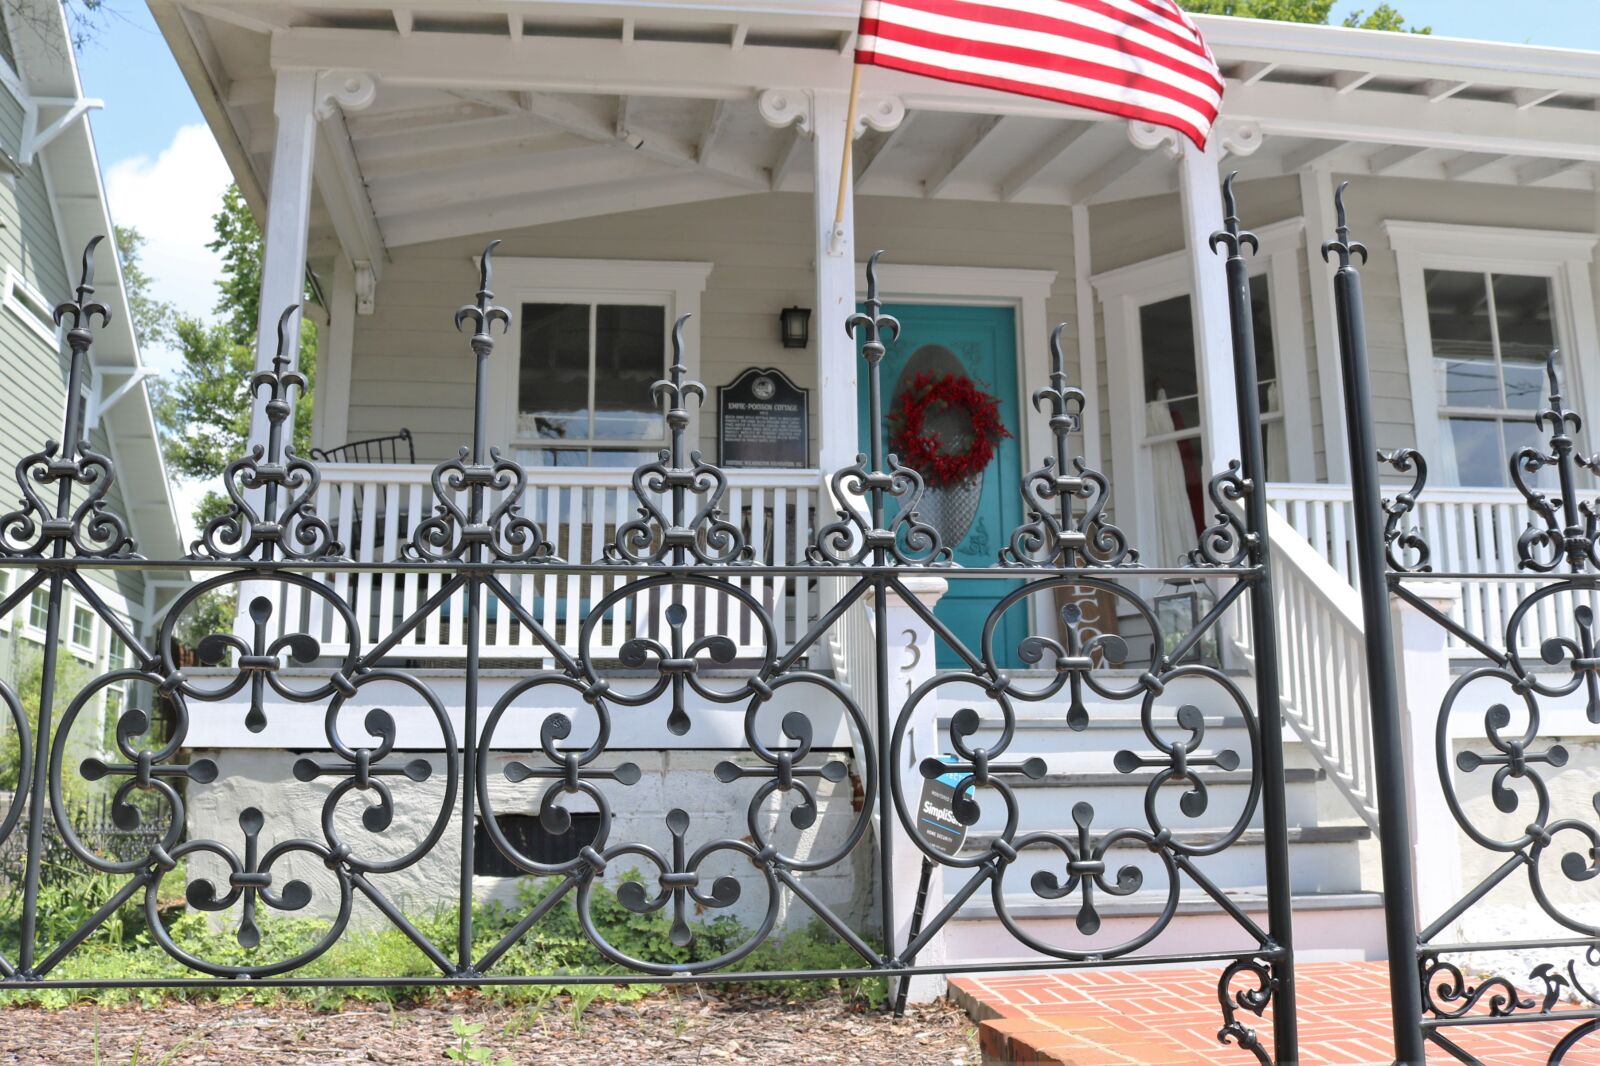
[
  {"x": 335, "y": 352},
  {"x": 837, "y": 435},
  {"x": 283, "y": 255},
  {"x": 299, "y": 99},
  {"x": 822, "y": 114},
  {"x": 1199, "y": 188},
  {"x": 1316, "y": 200},
  {"x": 1422, "y": 667},
  {"x": 912, "y": 664}
]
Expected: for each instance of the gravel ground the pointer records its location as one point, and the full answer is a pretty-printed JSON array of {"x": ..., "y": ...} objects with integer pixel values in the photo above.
[{"x": 674, "y": 1026}]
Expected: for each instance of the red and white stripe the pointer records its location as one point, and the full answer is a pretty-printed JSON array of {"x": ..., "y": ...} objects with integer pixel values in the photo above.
[{"x": 1140, "y": 59}]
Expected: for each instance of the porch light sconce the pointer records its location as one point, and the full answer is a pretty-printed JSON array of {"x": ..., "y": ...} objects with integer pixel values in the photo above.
[{"x": 794, "y": 326}]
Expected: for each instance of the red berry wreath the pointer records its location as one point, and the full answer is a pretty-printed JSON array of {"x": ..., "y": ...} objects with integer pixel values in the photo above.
[{"x": 923, "y": 450}]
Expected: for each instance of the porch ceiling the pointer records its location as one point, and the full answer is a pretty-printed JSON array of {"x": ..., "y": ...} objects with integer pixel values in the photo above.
[{"x": 498, "y": 114}]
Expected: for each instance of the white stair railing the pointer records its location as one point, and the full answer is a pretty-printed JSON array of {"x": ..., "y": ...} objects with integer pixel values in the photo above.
[{"x": 1322, "y": 663}]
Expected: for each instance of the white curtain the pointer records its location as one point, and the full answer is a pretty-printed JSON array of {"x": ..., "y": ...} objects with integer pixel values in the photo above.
[{"x": 1175, "y": 532}]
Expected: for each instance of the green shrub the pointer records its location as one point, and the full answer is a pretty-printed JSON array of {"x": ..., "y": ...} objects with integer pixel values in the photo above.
[{"x": 124, "y": 948}]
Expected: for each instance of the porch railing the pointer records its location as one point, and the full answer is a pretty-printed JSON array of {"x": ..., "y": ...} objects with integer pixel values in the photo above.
[
  {"x": 1471, "y": 531},
  {"x": 373, "y": 509}
]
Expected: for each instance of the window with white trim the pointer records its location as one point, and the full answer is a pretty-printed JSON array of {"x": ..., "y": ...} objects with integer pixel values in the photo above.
[
  {"x": 39, "y": 608},
  {"x": 30, "y": 306},
  {"x": 583, "y": 390},
  {"x": 1482, "y": 308},
  {"x": 1491, "y": 336},
  {"x": 1173, "y": 415},
  {"x": 591, "y": 337},
  {"x": 83, "y": 629}
]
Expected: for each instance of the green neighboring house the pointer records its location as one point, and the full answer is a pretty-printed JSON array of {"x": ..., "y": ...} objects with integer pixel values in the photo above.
[{"x": 51, "y": 204}]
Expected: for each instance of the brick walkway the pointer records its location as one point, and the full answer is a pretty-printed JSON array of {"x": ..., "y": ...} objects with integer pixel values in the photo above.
[{"x": 1171, "y": 1017}]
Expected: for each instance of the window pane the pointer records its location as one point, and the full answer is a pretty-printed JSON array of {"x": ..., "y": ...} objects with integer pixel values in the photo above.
[
  {"x": 1266, "y": 354},
  {"x": 1527, "y": 334},
  {"x": 82, "y": 626},
  {"x": 39, "y": 609},
  {"x": 1480, "y": 458},
  {"x": 630, "y": 347},
  {"x": 1167, "y": 332},
  {"x": 1458, "y": 315},
  {"x": 553, "y": 389}
]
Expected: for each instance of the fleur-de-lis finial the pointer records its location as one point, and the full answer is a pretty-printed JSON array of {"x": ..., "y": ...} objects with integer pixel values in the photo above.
[
  {"x": 280, "y": 358},
  {"x": 1231, "y": 235},
  {"x": 484, "y": 313},
  {"x": 1066, "y": 401},
  {"x": 83, "y": 310},
  {"x": 1343, "y": 245},
  {"x": 675, "y": 389},
  {"x": 1556, "y": 418},
  {"x": 874, "y": 320}
]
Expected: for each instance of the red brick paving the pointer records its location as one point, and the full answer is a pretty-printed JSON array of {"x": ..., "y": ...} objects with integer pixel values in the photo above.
[{"x": 1171, "y": 1018}]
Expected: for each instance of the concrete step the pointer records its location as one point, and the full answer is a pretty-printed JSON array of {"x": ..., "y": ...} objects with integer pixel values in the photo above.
[
  {"x": 1118, "y": 799},
  {"x": 1321, "y": 859}
]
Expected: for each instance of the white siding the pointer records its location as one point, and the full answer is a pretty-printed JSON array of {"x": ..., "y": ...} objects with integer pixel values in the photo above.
[{"x": 411, "y": 369}]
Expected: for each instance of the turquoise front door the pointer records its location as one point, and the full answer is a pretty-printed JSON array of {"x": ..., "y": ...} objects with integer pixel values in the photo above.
[{"x": 975, "y": 520}]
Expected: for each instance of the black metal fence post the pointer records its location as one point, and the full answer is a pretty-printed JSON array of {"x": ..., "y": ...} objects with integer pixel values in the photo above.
[
  {"x": 1264, "y": 624},
  {"x": 1389, "y": 751}
]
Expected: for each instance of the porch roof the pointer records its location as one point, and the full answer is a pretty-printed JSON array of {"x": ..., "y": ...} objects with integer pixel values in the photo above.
[{"x": 501, "y": 113}]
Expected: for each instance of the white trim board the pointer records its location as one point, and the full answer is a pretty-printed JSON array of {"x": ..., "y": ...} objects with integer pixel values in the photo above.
[{"x": 1562, "y": 256}]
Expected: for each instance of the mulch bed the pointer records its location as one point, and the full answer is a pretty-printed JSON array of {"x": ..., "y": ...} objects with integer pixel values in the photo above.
[{"x": 672, "y": 1026}]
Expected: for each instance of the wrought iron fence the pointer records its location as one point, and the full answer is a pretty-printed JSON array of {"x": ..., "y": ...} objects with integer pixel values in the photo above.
[
  {"x": 1442, "y": 981},
  {"x": 273, "y": 547}
]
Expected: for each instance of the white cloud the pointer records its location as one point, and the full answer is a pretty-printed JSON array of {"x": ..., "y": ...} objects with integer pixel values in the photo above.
[{"x": 170, "y": 200}]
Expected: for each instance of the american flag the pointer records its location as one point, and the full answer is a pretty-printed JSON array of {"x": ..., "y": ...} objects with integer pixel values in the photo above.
[{"x": 1140, "y": 59}]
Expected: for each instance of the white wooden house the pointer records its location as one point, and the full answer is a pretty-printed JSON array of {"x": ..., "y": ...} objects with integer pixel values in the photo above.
[
  {"x": 642, "y": 160},
  {"x": 52, "y": 202}
]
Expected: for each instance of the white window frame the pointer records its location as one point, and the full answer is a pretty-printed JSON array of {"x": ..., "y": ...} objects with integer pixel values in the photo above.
[
  {"x": 29, "y": 629},
  {"x": 83, "y": 651},
  {"x": 1124, "y": 291},
  {"x": 29, "y": 305},
  {"x": 1561, "y": 256},
  {"x": 675, "y": 286}
]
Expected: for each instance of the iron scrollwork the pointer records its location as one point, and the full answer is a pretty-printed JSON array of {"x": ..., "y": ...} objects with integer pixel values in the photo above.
[
  {"x": 675, "y": 626},
  {"x": 1537, "y": 647}
]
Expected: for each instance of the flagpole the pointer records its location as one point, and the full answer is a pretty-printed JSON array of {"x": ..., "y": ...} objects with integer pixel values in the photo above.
[{"x": 846, "y": 161}]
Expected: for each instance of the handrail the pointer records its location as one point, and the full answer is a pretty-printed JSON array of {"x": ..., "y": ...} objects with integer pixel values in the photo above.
[{"x": 1322, "y": 674}]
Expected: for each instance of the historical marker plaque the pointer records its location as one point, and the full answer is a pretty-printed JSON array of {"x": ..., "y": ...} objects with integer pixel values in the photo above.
[{"x": 763, "y": 419}]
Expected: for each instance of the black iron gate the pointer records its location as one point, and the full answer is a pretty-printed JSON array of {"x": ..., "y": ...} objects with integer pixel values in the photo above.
[
  {"x": 676, "y": 550},
  {"x": 1444, "y": 985}
]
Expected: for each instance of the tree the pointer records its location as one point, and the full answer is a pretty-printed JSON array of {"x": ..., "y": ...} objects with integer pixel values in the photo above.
[
  {"x": 1383, "y": 17},
  {"x": 204, "y": 410},
  {"x": 152, "y": 318}
]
